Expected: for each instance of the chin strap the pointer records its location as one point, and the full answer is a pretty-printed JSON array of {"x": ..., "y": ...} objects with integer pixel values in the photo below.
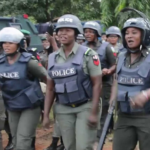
[{"x": 135, "y": 51}]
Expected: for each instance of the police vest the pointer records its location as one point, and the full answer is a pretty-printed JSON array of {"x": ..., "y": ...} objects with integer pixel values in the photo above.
[
  {"x": 72, "y": 85},
  {"x": 131, "y": 82},
  {"x": 19, "y": 92},
  {"x": 104, "y": 62}
]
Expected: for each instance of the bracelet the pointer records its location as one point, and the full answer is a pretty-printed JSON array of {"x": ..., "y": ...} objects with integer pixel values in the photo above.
[{"x": 145, "y": 94}]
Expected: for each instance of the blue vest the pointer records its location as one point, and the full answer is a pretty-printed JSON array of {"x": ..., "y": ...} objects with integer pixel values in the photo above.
[
  {"x": 19, "y": 92},
  {"x": 131, "y": 82},
  {"x": 102, "y": 55},
  {"x": 72, "y": 85},
  {"x": 104, "y": 62}
]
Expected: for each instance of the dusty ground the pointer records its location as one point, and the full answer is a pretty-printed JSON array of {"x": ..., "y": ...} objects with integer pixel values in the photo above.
[{"x": 43, "y": 139}]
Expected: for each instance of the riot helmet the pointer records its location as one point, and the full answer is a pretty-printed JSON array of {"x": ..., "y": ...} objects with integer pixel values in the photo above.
[
  {"x": 93, "y": 25},
  {"x": 136, "y": 23},
  {"x": 69, "y": 21},
  {"x": 141, "y": 23},
  {"x": 113, "y": 30},
  {"x": 12, "y": 35}
]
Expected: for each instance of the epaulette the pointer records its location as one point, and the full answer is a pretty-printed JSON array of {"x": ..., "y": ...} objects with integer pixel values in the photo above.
[
  {"x": 87, "y": 52},
  {"x": 33, "y": 49}
]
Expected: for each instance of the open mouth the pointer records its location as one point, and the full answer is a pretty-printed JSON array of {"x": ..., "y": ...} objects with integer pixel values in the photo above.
[
  {"x": 6, "y": 50},
  {"x": 130, "y": 41},
  {"x": 63, "y": 38}
]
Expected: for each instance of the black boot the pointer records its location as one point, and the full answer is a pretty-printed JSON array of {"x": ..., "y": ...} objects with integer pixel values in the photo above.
[
  {"x": 10, "y": 145},
  {"x": 53, "y": 145}
]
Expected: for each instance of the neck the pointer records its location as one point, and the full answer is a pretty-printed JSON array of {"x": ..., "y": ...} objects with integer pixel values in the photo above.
[
  {"x": 68, "y": 47},
  {"x": 92, "y": 44},
  {"x": 13, "y": 57},
  {"x": 114, "y": 44}
]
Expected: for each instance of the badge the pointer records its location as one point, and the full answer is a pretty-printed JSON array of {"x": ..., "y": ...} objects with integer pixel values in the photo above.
[
  {"x": 115, "y": 54},
  {"x": 96, "y": 60},
  {"x": 38, "y": 57},
  {"x": 40, "y": 64}
]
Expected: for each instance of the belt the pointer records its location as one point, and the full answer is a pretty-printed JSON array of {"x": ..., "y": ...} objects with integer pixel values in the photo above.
[{"x": 77, "y": 105}]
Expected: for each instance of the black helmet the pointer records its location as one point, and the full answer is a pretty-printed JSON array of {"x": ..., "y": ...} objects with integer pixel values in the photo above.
[
  {"x": 69, "y": 21},
  {"x": 113, "y": 30},
  {"x": 93, "y": 25},
  {"x": 140, "y": 24}
]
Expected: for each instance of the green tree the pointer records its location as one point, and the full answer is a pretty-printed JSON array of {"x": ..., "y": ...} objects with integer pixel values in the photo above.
[
  {"x": 45, "y": 10},
  {"x": 111, "y": 10}
]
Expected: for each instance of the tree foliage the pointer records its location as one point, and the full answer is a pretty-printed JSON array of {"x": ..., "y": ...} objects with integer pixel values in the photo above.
[
  {"x": 45, "y": 10},
  {"x": 111, "y": 10}
]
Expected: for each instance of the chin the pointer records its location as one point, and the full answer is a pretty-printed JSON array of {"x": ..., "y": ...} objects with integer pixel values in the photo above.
[
  {"x": 90, "y": 41},
  {"x": 65, "y": 43}
]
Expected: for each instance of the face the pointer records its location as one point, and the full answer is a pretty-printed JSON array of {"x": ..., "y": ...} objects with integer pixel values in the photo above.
[
  {"x": 133, "y": 37},
  {"x": 9, "y": 48},
  {"x": 66, "y": 35},
  {"x": 104, "y": 38},
  {"x": 90, "y": 35},
  {"x": 113, "y": 39},
  {"x": 46, "y": 44}
]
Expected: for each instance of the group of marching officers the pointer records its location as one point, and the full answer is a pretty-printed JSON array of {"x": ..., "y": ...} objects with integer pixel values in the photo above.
[{"x": 82, "y": 76}]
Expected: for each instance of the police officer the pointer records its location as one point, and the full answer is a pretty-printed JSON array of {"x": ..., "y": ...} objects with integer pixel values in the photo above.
[
  {"x": 75, "y": 80},
  {"x": 133, "y": 74},
  {"x": 113, "y": 37},
  {"x": 22, "y": 95},
  {"x": 26, "y": 44},
  {"x": 92, "y": 31}
]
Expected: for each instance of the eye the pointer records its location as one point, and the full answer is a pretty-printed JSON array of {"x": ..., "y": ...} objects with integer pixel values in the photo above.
[{"x": 134, "y": 32}]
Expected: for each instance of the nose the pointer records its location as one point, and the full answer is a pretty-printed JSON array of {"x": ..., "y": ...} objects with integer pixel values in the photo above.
[
  {"x": 63, "y": 32},
  {"x": 129, "y": 35}
]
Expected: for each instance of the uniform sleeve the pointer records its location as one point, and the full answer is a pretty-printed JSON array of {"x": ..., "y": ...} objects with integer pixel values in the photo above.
[
  {"x": 93, "y": 65},
  {"x": 110, "y": 56},
  {"x": 36, "y": 69}
]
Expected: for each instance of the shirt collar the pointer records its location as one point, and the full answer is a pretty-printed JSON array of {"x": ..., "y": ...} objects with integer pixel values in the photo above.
[
  {"x": 96, "y": 45},
  {"x": 73, "y": 51}
]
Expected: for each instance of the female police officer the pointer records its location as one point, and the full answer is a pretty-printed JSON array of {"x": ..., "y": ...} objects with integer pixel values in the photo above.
[
  {"x": 113, "y": 34},
  {"x": 75, "y": 80},
  {"x": 92, "y": 31},
  {"x": 21, "y": 91},
  {"x": 133, "y": 76}
]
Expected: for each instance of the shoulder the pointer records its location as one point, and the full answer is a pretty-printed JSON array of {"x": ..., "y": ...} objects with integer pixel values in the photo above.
[
  {"x": 2, "y": 56},
  {"x": 109, "y": 48},
  {"x": 25, "y": 54},
  {"x": 89, "y": 52}
]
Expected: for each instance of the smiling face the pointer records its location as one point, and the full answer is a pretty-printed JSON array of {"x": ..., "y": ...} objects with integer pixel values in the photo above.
[
  {"x": 133, "y": 37},
  {"x": 9, "y": 48},
  {"x": 46, "y": 44},
  {"x": 66, "y": 35}
]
